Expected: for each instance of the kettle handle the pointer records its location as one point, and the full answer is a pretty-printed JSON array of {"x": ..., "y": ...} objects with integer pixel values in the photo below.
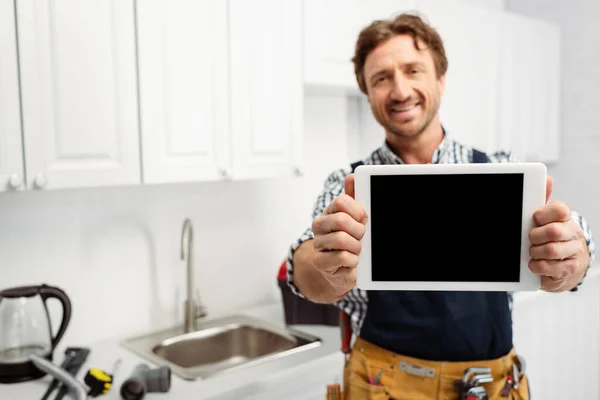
[{"x": 49, "y": 292}]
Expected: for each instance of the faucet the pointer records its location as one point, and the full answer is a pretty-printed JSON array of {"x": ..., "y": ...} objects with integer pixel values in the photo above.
[{"x": 193, "y": 309}]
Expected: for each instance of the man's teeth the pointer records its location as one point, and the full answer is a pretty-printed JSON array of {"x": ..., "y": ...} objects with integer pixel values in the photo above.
[{"x": 405, "y": 108}]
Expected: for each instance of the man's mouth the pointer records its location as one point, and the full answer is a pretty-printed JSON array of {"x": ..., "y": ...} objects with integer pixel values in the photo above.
[{"x": 404, "y": 110}]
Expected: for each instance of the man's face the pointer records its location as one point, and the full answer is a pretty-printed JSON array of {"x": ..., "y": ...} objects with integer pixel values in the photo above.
[{"x": 402, "y": 86}]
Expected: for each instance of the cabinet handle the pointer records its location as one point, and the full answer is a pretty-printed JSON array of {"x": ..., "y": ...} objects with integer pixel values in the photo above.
[
  {"x": 41, "y": 181},
  {"x": 297, "y": 171},
  {"x": 224, "y": 173},
  {"x": 15, "y": 181}
]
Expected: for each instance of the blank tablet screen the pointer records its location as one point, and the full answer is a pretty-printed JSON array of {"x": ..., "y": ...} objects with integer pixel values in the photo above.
[{"x": 449, "y": 228}]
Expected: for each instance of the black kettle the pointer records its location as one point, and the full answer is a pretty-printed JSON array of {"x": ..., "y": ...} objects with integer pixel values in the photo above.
[{"x": 25, "y": 329}]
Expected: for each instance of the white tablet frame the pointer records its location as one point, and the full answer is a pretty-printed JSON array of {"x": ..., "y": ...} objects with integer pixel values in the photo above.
[{"x": 534, "y": 197}]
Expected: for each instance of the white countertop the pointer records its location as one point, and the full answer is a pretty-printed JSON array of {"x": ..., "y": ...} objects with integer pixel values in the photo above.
[{"x": 285, "y": 378}]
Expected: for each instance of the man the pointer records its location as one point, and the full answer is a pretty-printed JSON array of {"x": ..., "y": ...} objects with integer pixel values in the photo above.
[{"x": 418, "y": 344}]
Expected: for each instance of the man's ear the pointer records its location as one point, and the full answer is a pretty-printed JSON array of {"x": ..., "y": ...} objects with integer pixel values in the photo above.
[{"x": 442, "y": 84}]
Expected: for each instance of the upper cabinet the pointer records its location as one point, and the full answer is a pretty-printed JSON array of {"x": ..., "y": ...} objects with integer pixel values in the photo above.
[
  {"x": 79, "y": 92},
  {"x": 471, "y": 36},
  {"x": 331, "y": 28},
  {"x": 530, "y": 71},
  {"x": 266, "y": 87},
  {"x": 122, "y": 92},
  {"x": 11, "y": 150},
  {"x": 221, "y": 89},
  {"x": 184, "y": 90}
]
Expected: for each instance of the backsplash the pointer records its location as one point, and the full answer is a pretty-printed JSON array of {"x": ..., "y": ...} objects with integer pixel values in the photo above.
[{"x": 115, "y": 251}]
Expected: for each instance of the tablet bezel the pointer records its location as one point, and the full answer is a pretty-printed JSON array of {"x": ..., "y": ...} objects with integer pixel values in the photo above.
[{"x": 534, "y": 197}]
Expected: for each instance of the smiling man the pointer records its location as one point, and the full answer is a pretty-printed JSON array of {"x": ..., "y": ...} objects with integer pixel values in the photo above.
[{"x": 415, "y": 344}]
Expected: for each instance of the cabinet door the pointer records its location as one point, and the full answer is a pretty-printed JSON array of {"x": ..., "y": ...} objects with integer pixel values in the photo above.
[
  {"x": 11, "y": 151},
  {"x": 266, "y": 87},
  {"x": 184, "y": 89},
  {"x": 78, "y": 76},
  {"x": 331, "y": 30},
  {"x": 471, "y": 38},
  {"x": 530, "y": 89}
]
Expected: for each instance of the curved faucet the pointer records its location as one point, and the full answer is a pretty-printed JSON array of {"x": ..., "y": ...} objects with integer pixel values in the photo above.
[{"x": 193, "y": 309}]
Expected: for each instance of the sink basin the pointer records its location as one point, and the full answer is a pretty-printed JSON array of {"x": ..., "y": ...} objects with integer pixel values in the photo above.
[{"x": 220, "y": 345}]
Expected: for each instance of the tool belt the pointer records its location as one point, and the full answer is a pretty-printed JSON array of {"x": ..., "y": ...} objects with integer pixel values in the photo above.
[{"x": 373, "y": 373}]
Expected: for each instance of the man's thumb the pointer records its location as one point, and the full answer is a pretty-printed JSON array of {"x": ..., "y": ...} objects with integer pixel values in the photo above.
[
  {"x": 549, "y": 184},
  {"x": 349, "y": 185}
]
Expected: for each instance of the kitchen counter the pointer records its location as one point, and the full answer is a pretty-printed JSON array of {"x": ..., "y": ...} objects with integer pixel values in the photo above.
[{"x": 299, "y": 376}]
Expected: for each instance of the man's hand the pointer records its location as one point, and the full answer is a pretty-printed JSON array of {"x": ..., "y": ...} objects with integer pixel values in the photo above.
[
  {"x": 338, "y": 232},
  {"x": 559, "y": 250}
]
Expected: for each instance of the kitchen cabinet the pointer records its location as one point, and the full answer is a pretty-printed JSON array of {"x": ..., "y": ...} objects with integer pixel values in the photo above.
[
  {"x": 11, "y": 150},
  {"x": 266, "y": 88},
  {"x": 221, "y": 95},
  {"x": 331, "y": 28},
  {"x": 529, "y": 112},
  {"x": 184, "y": 90},
  {"x": 79, "y": 93},
  {"x": 471, "y": 35}
]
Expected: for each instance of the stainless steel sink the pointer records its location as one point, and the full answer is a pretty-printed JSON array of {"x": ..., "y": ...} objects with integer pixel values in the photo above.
[{"x": 220, "y": 345}]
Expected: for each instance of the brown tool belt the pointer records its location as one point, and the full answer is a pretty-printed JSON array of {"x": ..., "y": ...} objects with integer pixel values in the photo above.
[{"x": 373, "y": 373}]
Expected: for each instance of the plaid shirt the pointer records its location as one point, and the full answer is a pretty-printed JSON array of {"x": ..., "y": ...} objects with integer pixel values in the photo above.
[{"x": 355, "y": 303}]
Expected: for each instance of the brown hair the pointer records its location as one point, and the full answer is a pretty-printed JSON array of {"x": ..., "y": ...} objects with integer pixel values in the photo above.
[{"x": 380, "y": 31}]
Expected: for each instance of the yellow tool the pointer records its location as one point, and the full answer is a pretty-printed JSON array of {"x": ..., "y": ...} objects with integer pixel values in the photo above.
[{"x": 100, "y": 381}]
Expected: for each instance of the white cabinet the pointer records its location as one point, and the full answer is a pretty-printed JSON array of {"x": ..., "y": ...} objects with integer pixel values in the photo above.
[
  {"x": 11, "y": 150},
  {"x": 79, "y": 92},
  {"x": 331, "y": 28},
  {"x": 184, "y": 90},
  {"x": 266, "y": 87},
  {"x": 471, "y": 35},
  {"x": 530, "y": 94},
  {"x": 221, "y": 90}
]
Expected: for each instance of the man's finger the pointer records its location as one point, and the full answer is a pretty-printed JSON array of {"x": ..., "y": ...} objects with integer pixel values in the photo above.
[
  {"x": 346, "y": 204},
  {"x": 554, "y": 268},
  {"x": 550, "y": 284},
  {"x": 555, "y": 232},
  {"x": 338, "y": 222},
  {"x": 556, "y": 211},
  {"x": 549, "y": 185},
  {"x": 349, "y": 185},
  {"x": 337, "y": 241},
  {"x": 328, "y": 262},
  {"x": 555, "y": 250}
]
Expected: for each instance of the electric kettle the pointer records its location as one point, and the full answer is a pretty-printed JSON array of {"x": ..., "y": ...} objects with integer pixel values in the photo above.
[{"x": 25, "y": 328}]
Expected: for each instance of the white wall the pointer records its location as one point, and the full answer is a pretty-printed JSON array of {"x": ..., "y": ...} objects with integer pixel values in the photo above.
[
  {"x": 116, "y": 251},
  {"x": 577, "y": 175}
]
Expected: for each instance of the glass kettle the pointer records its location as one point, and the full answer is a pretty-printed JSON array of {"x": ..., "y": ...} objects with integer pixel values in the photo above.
[{"x": 25, "y": 328}]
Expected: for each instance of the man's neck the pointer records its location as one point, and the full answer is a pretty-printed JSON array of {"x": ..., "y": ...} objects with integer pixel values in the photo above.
[{"x": 418, "y": 149}]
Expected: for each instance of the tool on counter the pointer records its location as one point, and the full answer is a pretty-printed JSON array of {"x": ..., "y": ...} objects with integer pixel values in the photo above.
[
  {"x": 100, "y": 381},
  {"x": 75, "y": 357},
  {"x": 61, "y": 375},
  {"x": 144, "y": 380}
]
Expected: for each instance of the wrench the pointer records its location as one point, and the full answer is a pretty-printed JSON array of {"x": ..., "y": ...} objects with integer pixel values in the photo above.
[{"x": 60, "y": 374}]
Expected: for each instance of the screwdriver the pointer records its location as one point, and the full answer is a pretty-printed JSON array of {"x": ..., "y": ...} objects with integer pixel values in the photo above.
[{"x": 100, "y": 381}]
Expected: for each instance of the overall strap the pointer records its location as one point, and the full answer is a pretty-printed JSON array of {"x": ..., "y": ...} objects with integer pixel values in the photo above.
[
  {"x": 479, "y": 157},
  {"x": 354, "y": 165}
]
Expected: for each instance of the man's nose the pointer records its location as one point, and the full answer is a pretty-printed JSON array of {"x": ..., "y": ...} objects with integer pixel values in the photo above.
[{"x": 401, "y": 90}]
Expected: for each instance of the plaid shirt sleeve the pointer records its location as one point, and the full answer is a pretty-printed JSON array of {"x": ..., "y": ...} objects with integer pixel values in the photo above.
[
  {"x": 577, "y": 217},
  {"x": 333, "y": 187}
]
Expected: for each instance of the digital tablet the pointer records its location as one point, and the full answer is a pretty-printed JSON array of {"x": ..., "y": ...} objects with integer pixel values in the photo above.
[{"x": 449, "y": 226}]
